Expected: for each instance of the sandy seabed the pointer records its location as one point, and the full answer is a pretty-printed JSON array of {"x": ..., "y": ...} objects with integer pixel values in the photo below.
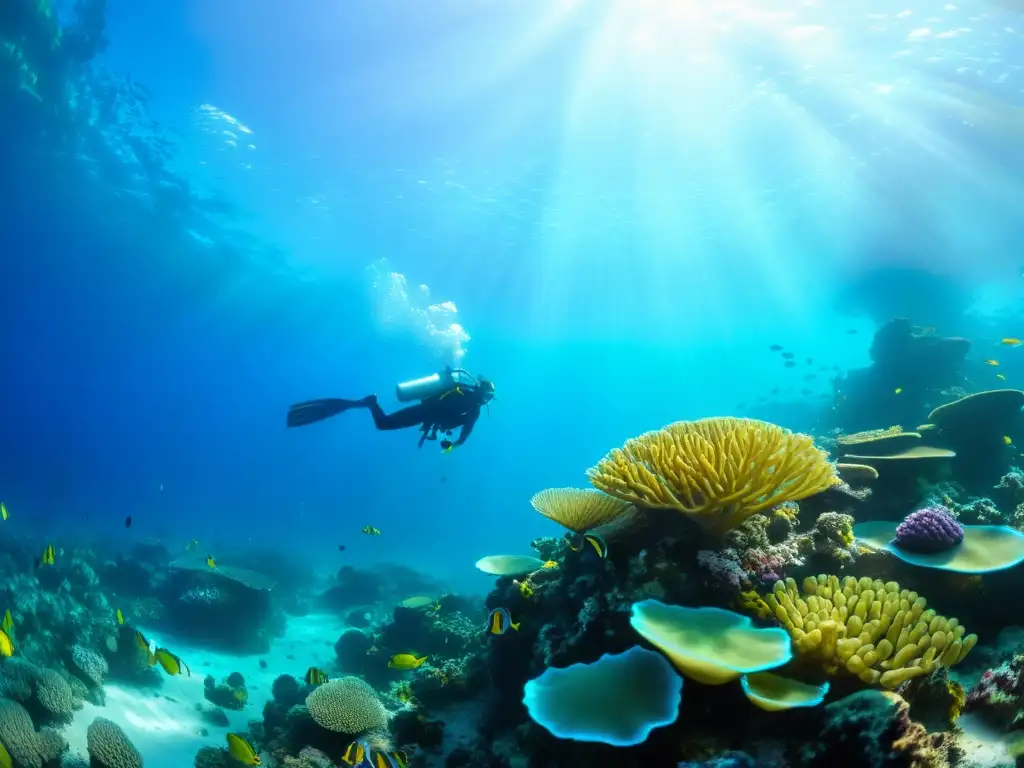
[{"x": 164, "y": 724}]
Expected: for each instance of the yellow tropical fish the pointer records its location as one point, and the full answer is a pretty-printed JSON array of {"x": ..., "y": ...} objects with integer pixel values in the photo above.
[
  {"x": 898, "y": 390},
  {"x": 369, "y": 530},
  {"x": 355, "y": 754},
  {"x": 3, "y": 514},
  {"x": 49, "y": 555},
  {"x": 119, "y": 616},
  {"x": 406, "y": 661},
  {"x": 315, "y": 676},
  {"x": 145, "y": 645},
  {"x": 8, "y": 625},
  {"x": 210, "y": 561},
  {"x": 1000, "y": 377},
  {"x": 6, "y": 645},
  {"x": 242, "y": 750},
  {"x": 1011, "y": 342},
  {"x": 991, "y": 362},
  {"x": 172, "y": 664},
  {"x": 1007, "y": 440},
  {"x": 500, "y": 621},
  {"x": 379, "y": 759},
  {"x": 5, "y": 758}
]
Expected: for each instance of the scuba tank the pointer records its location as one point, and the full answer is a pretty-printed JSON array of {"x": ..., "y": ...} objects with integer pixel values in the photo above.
[{"x": 435, "y": 384}]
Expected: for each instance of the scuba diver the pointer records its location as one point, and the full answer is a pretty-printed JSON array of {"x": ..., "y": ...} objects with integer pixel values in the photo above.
[{"x": 449, "y": 399}]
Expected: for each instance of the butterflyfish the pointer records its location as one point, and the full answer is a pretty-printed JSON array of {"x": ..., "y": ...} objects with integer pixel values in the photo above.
[
  {"x": 242, "y": 750},
  {"x": 3, "y": 510},
  {"x": 991, "y": 362},
  {"x": 6, "y": 644},
  {"x": 316, "y": 676},
  {"x": 379, "y": 759},
  {"x": 1012, "y": 342},
  {"x": 406, "y": 661},
  {"x": 210, "y": 562},
  {"x": 8, "y": 625},
  {"x": 146, "y": 646},
  {"x": 119, "y": 616},
  {"x": 369, "y": 530},
  {"x": 49, "y": 555},
  {"x": 499, "y": 621},
  {"x": 355, "y": 753},
  {"x": 598, "y": 544},
  {"x": 172, "y": 664}
]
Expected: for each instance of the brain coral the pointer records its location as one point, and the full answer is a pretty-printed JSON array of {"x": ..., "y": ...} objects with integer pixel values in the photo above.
[
  {"x": 19, "y": 735},
  {"x": 54, "y": 693},
  {"x": 347, "y": 705},
  {"x": 17, "y": 678},
  {"x": 92, "y": 665},
  {"x": 109, "y": 747}
]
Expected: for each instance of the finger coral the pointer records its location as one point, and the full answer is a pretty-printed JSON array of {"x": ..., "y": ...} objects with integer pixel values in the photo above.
[
  {"x": 870, "y": 629},
  {"x": 579, "y": 510},
  {"x": 719, "y": 471}
]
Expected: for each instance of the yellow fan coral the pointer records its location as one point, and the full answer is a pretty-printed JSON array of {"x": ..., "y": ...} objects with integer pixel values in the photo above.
[
  {"x": 720, "y": 471},
  {"x": 579, "y": 510},
  {"x": 871, "y": 629}
]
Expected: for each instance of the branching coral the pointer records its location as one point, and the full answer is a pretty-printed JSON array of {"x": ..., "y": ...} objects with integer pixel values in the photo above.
[
  {"x": 870, "y": 629},
  {"x": 718, "y": 471},
  {"x": 577, "y": 509}
]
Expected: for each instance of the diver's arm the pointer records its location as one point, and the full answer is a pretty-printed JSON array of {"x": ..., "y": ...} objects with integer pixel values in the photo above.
[{"x": 467, "y": 428}]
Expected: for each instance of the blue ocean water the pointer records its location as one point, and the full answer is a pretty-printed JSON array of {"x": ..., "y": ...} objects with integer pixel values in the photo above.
[
  {"x": 611, "y": 209},
  {"x": 626, "y": 205}
]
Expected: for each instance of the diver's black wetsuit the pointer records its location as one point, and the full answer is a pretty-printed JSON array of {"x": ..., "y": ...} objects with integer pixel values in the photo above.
[
  {"x": 440, "y": 413},
  {"x": 459, "y": 407}
]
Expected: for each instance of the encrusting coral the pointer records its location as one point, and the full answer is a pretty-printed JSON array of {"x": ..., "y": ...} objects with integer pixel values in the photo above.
[
  {"x": 718, "y": 471},
  {"x": 579, "y": 510},
  {"x": 870, "y": 629}
]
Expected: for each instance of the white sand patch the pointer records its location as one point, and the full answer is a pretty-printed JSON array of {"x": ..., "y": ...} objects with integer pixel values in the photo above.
[
  {"x": 164, "y": 724},
  {"x": 983, "y": 747}
]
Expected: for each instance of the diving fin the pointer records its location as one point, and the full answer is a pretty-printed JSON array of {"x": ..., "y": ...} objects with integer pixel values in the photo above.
[{"x": 301, "y": 414}]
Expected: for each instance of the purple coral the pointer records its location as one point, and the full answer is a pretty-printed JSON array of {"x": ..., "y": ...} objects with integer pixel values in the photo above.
[{"x": 929, "y": 530}]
